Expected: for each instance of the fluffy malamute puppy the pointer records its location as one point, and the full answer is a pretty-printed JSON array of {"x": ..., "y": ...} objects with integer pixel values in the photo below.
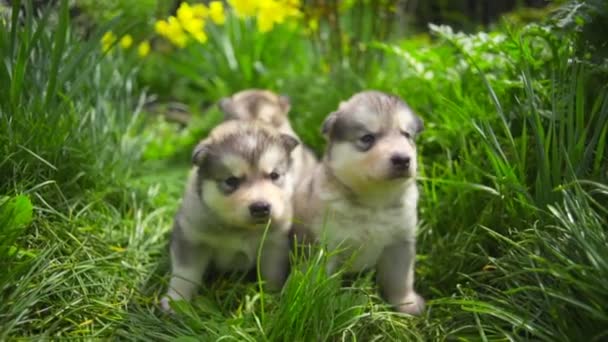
[
  {"x": 241, "y": 180},
  {"x": 363, "y": 195},
  {"x": 271, "y": 108}
]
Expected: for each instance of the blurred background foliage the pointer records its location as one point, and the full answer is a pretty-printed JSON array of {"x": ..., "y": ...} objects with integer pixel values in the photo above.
[{"x": 345, "y": 40}]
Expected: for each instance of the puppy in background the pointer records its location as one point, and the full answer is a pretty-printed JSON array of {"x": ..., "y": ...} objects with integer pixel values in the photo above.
[
  {"x": 362, "y": 197},
  {"x": 268, "y": 107},
  {"x": 242, "y": 178}
]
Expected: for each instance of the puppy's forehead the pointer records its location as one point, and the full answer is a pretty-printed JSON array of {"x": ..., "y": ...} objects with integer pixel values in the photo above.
[
  {"x": 405, "y": 119},
  {"x": 271, "y": 158},
  {"x": 368, "y": 118},
  {"x": 255, "y": 95},
  {"x": 379, "y": 112},
  {"x": 254, "y": 101},
  {"x": 236, "y": 164},
  {"x": 247, "y": 151}
]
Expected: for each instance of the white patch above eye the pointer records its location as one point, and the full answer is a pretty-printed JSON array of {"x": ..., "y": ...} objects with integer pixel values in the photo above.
[
  {"x": 405, "y": 120},
  {"x": 270, "y": 158},
  {"x": 236, "y": 164},
  {"x": 369, "y": 120}
]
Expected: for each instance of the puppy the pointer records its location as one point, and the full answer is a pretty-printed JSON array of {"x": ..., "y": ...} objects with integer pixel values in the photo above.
[
  {"x": 241, "y": 181},
  {"x": 362, "y": 198},
  {"x": 270, "y": 108}
]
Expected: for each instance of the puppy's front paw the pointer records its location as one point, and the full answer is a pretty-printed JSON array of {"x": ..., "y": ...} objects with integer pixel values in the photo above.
[
  {"x": 165, "y": 302},
  {"x": 165, "y": 306},
  {"x": 412, "y": 304},
  {"x": 274, "y": 283}
]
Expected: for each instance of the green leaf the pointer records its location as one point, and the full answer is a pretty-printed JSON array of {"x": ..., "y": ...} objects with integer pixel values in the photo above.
[{"x": 15, "y": 213}]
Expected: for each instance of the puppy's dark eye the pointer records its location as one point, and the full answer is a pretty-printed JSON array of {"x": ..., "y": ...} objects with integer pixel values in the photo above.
[
  {"x": 367, "y": 139},
  {"x": 232, "y": 182},
  {"x": 406, "y": 134},
  {"x": 274, "y": 176}
]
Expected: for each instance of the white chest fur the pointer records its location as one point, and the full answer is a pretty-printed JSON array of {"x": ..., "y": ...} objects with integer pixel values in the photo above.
[
  {"x": 232, "y": 251},
  {"x": 363, "y": 232},
  {"x": 235, "y": 250}
]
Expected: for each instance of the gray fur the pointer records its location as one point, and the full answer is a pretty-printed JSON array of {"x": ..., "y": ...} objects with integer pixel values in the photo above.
[
  {"x": 373, "y": 218},
  {"x": 338, "y": 126},
  {"x": 181, "y": 246},
  {"x": 202, "y": 236},
  {"x": 247, "y": 104},
  {"x": 395, "y": 276},
  {"x": 233, "y": 144}
]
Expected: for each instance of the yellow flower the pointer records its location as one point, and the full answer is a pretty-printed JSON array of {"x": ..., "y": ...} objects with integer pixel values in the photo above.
[
  {"x": 179, "y": 40},
  {"x": 293, "y": 8},
  {"x": 161, "y": 27},
  {"x": 200, "y": 11},
  {"x": 143, "y": 49},
  {"x": 270, "y": 12},
  {"x": 193, "y": 25},
  {"x": 216, "y": 12},
  {"x": 175, "y": 33},
  {"x": 108, "y": 39},
  {"x": 200, "y": 36},
  {"x": 244, "y": 8},
  {"x": 126, "y": 41},
  {"x": 184, "y": 12},
  {"x": 188, "y": 20},
  {"x": 313, "y": 24}
]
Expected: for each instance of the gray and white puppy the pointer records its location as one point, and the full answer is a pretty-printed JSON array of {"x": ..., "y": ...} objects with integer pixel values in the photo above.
[
  {"x": 363, "y": 196},
  {"x": 242, "y": 178},
  {"x": 271, "y": 108}
]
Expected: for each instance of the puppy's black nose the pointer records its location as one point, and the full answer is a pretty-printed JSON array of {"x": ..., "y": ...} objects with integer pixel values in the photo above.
[
  {"x": 259, "y": 209},
  {"x": 400, "y": 161}
]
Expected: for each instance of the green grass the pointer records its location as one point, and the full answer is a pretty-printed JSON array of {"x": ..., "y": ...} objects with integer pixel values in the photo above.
[{"x": 512, "y": 239}]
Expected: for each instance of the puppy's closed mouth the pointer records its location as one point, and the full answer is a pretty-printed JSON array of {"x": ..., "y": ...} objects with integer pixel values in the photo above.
[
  {"x": 400, "y": 174},
  {"x": 261, "y": 221}
]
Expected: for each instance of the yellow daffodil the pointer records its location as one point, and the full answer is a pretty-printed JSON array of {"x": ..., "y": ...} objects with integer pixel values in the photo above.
[
  {"x": 126, "y": 41},
  {"x": 161, "y": 27},
  {"x": 293, "y": 8},
  {"x": 313, "y": 24},
  {"x": 200, "y": 11},
  {"x": 108, "y": 39},
  {"x": 200, "y": 36},
  {"x": 270, "y": 12},
  {"x": 193, "y": 25},
  {"x": 175, "y": 33},
  {"x": 216, "y": 12},
  {"x": 143, "y": 49},
  {"x": 244, "y": 8},
  {"x": 179, "y": 40},
  {"x": 184, "y": 12}
]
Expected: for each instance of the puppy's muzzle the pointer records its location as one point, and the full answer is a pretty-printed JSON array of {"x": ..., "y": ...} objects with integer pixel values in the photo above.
[
  {"x": 260, "y": 210},
  {"x": 400, "y": 162}
]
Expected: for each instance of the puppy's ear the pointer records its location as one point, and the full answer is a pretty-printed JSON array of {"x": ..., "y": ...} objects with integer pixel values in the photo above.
[
  {"x": 200, "y": 153},
  {"x": 418, "y": 124},
  {"x": 289, "y": 142},
  {"x": 285, "y": 103},
  {"x": 328, "y": 124},
  {"x": 226, "y": 105}
]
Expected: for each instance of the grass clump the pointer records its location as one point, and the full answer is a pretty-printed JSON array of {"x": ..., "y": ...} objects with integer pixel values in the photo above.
[{"x": 513, "y": 207}]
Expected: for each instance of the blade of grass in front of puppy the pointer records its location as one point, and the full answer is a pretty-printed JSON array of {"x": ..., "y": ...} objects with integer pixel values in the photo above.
[{"x": 259, "y": 277}]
